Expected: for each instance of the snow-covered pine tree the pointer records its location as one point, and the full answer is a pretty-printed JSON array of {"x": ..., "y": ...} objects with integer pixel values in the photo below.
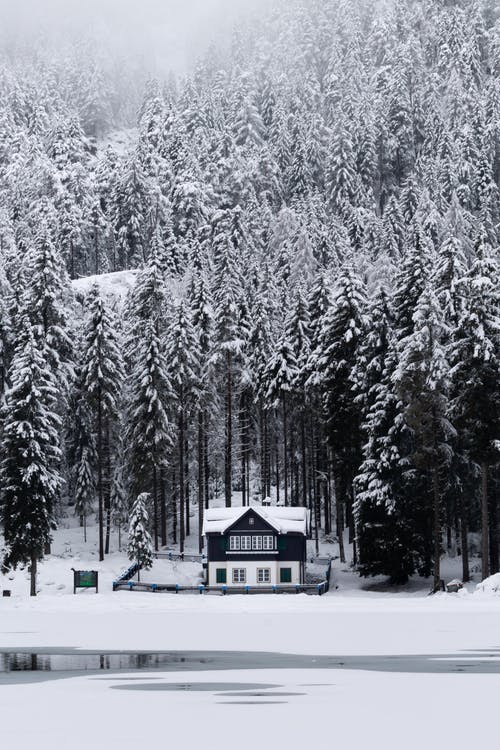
[
  {"x": 384, "y": 511},
  {"x": 46, "y": 301},
  {"x": 140, "y": 545},
  {"x": 84, "y": 463},
  {"x": 148, "y": 424},
  {"x": 474, "y": 353},
  {"x": 422, "y": 383},
  {"x": 183, "y": 367},
  {"x": 30, "y": 477},
  {"x": 331, "y": 364},
  {"x": 226, "y": 243},
  {"x": 280, "y": 377},
  {"x": 203, "y": 324},
  {"x": 102, "y": 377}
]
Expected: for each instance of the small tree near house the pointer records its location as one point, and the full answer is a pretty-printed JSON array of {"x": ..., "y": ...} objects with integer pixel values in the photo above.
[{"x": 140, "y": 544}]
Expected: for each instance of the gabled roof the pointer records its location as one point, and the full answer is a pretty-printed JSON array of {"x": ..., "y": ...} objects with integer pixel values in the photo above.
[{"x": 283, "y": 520}]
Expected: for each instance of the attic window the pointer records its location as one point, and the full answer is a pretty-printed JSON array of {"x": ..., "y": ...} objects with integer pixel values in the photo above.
[{"x": 251, "y": 521}]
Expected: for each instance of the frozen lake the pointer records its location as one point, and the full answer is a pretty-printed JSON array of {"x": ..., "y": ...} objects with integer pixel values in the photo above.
[{"x": 138, "y": 671}]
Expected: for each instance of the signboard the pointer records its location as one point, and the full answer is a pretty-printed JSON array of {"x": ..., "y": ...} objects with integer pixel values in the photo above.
[{"x": 85, "y": 579}]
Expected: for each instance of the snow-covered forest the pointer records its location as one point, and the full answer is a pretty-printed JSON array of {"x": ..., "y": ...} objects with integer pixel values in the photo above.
[{"x": 313, "y": 217}]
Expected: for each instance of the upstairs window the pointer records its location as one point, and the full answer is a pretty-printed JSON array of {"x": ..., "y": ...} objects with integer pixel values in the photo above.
[
  {"x": 254, "y": 543},
  {"x": 268, "y": 542},
  {"x": 246, "y": 543}
]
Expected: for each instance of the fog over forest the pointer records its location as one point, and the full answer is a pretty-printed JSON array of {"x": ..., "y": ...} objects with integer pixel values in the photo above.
[{"x": 167, "y": 35}]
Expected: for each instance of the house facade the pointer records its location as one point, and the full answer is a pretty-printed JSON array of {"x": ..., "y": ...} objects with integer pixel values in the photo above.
[{"x": 256, "y": 546}]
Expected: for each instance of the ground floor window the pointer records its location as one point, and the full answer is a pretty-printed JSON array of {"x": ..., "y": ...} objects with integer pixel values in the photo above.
[
  {"x": 285, "y": 575},
  {"x": 263, "y": 575},
  {"x": 239, "y": 575},
  {"x": 221, "y": 575}
]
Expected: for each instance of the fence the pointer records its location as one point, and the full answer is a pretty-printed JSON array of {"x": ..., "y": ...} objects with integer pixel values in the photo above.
[{"x": 169, "y": 588}]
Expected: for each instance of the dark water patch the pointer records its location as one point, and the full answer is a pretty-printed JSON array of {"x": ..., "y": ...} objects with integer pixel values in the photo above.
[
  {"x": 197, "y": 687},
  {"x": 32, "y": 664},
  {"x": 251, "y": 703},
  {"x": 260, "y": 695}
]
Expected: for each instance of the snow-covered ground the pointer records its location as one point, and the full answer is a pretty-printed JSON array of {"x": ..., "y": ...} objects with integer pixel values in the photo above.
[{"x": 366, "y": 705}]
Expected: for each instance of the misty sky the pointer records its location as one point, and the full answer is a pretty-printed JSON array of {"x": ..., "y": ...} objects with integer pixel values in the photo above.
[{"x": 169, "y": 34}]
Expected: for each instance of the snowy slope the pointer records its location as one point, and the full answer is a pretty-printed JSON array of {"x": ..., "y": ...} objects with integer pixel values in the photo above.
[{"x": 111, "y": 285}]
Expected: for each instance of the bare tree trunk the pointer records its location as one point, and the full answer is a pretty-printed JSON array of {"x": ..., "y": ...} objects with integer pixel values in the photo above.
[
  {"x": 485, "y": 531},
  {"x": 99, "y": 475},
  {"x": 174, "y": 509},
  {"x": 155, "y": 507},
  {"x": 107, "y": 495},
  {"x": 206, "y": 464},
  {"x": 163, "y": 509},
  {"x": 200, "y": 481},
  {"x": 493, "y": 524},
  {"x": 436, "y": 527},
  {"x": 33, "y": 572},
  {"x": 340, "y": 521},
  {"x": 304, "y": 458},
  {"x": 262, "y": 453},
  {"x": 285, "y": 450},
  {"x": 267, "y": 456},
  {"x": 187, "y": 490},
  {"x": 464, "y": 539},
  {"x": 228, "y": 467},
  {"x": 181, "y": 480},
  {"x": 277, "y": 455}
]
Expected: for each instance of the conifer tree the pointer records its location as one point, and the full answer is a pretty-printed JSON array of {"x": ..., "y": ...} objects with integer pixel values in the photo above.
[
  {"x": 102, "y": 377},
  {"x": 422, "y": 382},
  {"x": 148, "y": 428},
  {"x": 140, "y": 546},
  {"x": 182, "y": 357},
  {"x": 30, "y": 477},
  {"x": 474, "y": 353}
]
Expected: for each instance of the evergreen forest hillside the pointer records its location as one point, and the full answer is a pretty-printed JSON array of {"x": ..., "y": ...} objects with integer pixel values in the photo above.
[{"x": 314, "y": 216}]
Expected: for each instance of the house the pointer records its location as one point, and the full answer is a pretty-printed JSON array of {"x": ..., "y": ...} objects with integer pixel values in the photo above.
[{"x": 256, "y": 546}]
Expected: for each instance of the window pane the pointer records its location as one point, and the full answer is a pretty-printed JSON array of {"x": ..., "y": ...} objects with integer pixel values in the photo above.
[
  {"x": 246, "y": 542},
  {"x": 268, "y": 542},
  {"x": 239, "y": 575},
  {"x": 263, "y": 575},
  {"x": 234, "y": 542},
  {"x": 256, "y": 542}
]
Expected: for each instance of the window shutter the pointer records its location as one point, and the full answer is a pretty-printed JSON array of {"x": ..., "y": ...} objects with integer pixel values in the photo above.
[
  {"x": 282, "y": 543},
  {"x": 223, "y": 544}
]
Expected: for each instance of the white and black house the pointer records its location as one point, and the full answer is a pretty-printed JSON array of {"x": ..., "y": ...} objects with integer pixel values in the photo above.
[{"x": 256, "y": 546}]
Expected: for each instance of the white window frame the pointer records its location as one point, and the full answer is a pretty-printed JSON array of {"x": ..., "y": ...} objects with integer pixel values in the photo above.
[
  {"x": 257, "y": 542},
  {"x": 239, "y": 575},
  {"x": 234, "y": 543},
  {"x": 268, "y": 542},
  {"x": 263, "y": 575},
  {"x": 246, "y": 543}
]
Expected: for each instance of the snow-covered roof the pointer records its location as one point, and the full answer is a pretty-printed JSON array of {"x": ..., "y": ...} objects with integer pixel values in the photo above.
[{"x": 284, "y": 520}]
